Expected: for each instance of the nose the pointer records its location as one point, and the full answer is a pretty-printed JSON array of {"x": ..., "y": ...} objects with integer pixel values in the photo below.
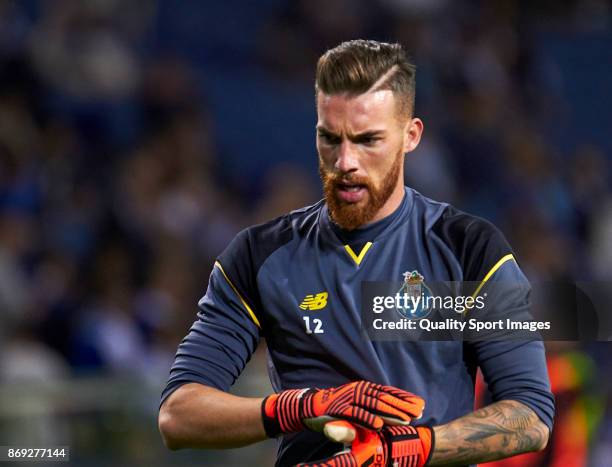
[{"x": 347, "y": 158}]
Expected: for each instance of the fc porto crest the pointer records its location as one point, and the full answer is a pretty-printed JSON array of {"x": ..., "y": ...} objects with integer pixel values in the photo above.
[{"x": 414, "y": 296}]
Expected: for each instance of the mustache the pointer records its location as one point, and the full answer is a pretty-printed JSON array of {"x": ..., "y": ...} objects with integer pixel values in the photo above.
[{"x": 340, "y": 179}]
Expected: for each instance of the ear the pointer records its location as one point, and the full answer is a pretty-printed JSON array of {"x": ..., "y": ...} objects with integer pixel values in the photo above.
[{"x": 413, "y": 132}]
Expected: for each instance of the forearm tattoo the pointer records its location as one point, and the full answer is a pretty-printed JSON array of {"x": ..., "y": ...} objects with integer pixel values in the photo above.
[{"x": 502, "y": 429}]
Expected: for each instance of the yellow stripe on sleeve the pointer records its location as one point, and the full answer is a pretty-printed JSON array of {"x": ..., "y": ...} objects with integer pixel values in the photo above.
[
  {"x": 242, "y": 300},
  {"x": 497, "y": 265}
]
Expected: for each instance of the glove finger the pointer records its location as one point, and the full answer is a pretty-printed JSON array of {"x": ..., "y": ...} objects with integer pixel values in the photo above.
[
  {"x": 399, "y": 393},
  {"x": 380, "y": 407},
  {"x": 407, "y": 402},
  {"x": 361, "y": 417},
  {"x": 343, "y": 459},
  {"x": 413, "y": 409},
  {"x": 369, "y": 389},
  {"x": 412, "y": 406}
]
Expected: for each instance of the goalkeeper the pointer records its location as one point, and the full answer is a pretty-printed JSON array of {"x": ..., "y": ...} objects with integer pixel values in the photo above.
[{"x": 296, "y": 281}]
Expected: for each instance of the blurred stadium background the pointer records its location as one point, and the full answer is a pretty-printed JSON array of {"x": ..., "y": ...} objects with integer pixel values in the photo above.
[{"x": 138, "y": 137}]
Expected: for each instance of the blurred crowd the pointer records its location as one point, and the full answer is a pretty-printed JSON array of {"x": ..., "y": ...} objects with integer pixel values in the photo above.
[{"x": 137, "y": 138}]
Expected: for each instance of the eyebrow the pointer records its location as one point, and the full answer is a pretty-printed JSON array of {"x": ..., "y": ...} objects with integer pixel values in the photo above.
[{"x": 365, "y": 134}]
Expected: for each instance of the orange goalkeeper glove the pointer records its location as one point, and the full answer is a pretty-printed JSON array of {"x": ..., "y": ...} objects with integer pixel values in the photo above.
[
  {"x": 363, "y": 403},
  {"x": 397, "y": 446}
]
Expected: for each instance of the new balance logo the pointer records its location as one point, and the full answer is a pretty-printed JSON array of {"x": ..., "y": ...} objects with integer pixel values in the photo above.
[{"x": 314, "y": 302}]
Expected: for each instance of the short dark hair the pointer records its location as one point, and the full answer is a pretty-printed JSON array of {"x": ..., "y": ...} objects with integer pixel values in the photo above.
[{"x": 355, "y": 67}]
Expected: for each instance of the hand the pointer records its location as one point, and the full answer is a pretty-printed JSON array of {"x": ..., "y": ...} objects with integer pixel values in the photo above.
[
  {"x": 362, "y": 403},
  {"x": 392, "y": 446}
]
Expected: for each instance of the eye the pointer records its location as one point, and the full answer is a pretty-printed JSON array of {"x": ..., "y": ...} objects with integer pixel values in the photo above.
[
  {"x": 329, "y": 139},
  {"x": 368, "y": 140}
]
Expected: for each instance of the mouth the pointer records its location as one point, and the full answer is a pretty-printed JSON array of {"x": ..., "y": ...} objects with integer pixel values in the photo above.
[{"x": 351, "y": 192}]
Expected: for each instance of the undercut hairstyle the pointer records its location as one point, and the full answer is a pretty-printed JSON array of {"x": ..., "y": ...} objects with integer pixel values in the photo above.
[{"x": 358, "y": 66}]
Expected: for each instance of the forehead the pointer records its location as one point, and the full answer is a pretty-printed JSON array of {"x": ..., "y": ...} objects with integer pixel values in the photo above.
[{"x": 356, "y": 112}]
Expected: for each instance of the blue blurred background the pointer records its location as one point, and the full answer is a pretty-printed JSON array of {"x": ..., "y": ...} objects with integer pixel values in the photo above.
[{"x": 138, "y": 137}]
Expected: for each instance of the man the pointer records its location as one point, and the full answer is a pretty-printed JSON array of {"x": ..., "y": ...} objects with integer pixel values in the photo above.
[{"x": 296, "y": 281}]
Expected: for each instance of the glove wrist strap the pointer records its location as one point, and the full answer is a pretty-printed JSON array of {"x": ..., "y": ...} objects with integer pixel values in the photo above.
[
  {"x": 284, "y": 412},
  {"x": 405, "y": 444},
  {"x": 268, "y": 416},
  {"x": 427, "y": 433}
]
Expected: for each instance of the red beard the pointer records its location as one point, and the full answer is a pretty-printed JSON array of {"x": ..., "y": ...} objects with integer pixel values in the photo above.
[{"x": 350, "y": 216}]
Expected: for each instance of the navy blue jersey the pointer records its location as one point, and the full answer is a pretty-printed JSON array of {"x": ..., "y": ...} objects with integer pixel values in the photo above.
[{"x": 296, "y": 281}]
